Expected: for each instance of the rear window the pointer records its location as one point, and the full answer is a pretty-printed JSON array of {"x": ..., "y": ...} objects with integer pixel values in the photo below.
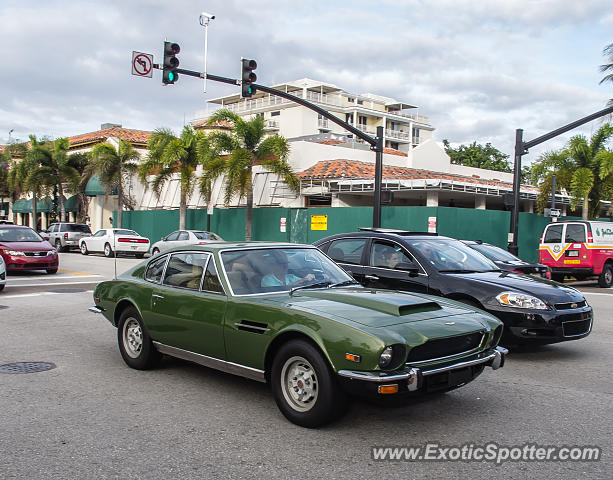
[
  {"x": 206, "y": 236},
  {"x": 126, "y": 232},
  {"x": 75, "y": 227},
  {"x": 575, "y": 233},
  {"x": 553, "y": 234}
]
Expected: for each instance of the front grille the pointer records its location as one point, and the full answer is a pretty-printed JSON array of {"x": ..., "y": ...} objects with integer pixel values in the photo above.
[
  {"x": 35, "y": 254},
  {"x": 576, "y": 328},
  {"x": 444, "y": 347},
  {"x": 569, "y": 305}
]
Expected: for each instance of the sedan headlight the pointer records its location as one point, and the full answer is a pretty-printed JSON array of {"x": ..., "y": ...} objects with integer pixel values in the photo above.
[
  {"x": 386, "y": 357},
  {"x": 52, "y": 252},
  {"x": 14, "y": 253},
  {"x": 520, "y": 300}
]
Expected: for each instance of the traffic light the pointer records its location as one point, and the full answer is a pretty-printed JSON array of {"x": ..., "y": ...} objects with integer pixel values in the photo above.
[
  {"x": 248, "y": 77},
  {"x": 171, "y": 63}
]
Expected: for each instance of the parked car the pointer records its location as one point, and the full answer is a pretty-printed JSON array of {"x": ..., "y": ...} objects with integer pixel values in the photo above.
[
  {"x": 181, "y": 238},
  {"x": 2, "y": 273},
  {"x": 24, "y": 249},
  {"x": 534, "y": 310},
  {"x": 578, "y": 249},
  {"x": 67, "y": 235},
  {"x": 287, "y": 315},
  {"x": 6, "y": 222},
  {"x": 120, "y": 240},
  {"x": 507, "y": 261}
]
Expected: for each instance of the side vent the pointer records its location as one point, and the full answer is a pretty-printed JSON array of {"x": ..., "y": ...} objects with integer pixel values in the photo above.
[{"x": 253, "y": 327}]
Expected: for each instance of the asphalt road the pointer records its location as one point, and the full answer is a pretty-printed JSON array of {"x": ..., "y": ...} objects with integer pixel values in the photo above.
[{"x": 92, "y": 417}]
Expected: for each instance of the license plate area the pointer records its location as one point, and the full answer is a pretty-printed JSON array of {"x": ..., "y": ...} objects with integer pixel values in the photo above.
[{"x": 572, "y": 253}]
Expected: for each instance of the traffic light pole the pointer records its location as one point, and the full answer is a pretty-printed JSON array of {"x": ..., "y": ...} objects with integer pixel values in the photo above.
[
  {"x": 376, "y": 143},
  {"x": 521, "y": 148}
]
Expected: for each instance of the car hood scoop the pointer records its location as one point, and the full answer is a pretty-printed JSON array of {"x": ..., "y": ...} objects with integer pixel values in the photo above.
[{"x": 392, "y": 303}]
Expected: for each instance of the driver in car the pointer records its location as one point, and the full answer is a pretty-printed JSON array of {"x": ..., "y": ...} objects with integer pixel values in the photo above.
[{"x": 279, "y": 276}]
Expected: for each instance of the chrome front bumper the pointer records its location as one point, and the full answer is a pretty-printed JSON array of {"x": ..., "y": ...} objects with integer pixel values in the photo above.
[{"x": 413, "y": 376}]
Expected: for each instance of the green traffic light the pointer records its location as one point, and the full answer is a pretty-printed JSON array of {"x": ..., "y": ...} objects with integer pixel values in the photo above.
[{"x": 171, "y": 76}]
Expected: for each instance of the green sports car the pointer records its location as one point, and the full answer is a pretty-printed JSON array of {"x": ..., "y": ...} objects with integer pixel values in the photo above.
[{"x": 286, "y": 314}]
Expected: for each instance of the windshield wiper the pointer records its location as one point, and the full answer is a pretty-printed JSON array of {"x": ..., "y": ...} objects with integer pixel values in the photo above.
[
  {"x": 311, "y": 285},
  {"x": 458, "y": 271},
  {"x": 343, "y": 283}
]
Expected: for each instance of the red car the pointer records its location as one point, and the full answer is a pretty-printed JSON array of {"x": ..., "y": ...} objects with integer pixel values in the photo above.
[{"x": 24, "y": 249}]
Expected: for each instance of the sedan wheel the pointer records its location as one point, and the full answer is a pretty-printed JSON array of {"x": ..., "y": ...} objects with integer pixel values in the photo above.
[
  {"x": 155, "y": 251},
  {"x": 305, "y": 389},
  {"x": 84, "y": 248},
  {"x": 108, "y": 251},
  {"x": 58, "y": 245},
  {"x": 135, "y": 344}
]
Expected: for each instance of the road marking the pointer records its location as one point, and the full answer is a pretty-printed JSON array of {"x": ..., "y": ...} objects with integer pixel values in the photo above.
[
  {"x": 75, "y": 273},
  {"x": 47, "y": 284},
  {"x": 40, "y": 294},
  {"x": 93, "y": 275}
]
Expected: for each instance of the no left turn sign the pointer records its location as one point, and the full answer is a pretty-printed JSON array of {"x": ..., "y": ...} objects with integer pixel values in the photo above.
[{"x": 142, "y": 64}]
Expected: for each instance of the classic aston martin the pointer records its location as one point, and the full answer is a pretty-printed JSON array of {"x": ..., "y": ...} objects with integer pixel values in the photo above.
[{"x": 286, "y": 314}]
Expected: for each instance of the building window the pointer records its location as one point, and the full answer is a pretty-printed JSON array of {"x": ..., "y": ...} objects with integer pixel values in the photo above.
[
  {"x": 349, "y": 118},
  {"x": 351, "y": 99},
  {"x": 275, "y": 114},
  {"x": 360, "y": 102},
  {"x": 415, "y": 132},
  {"x": 362, "y": 120},
  {"x": 394, "y": 145},
  {"x": 315, "y": 201}
]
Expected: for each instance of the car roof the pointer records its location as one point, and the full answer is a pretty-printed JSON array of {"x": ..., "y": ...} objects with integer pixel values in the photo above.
[
  {"x": 6, "y": 225},
  {"x": 381, "y": 233},
  {"x": 218, "y": 246}
]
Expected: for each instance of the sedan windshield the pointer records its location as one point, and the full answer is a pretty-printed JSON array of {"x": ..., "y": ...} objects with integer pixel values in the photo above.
[
  {"x": 495, "y": 253},
  {"x": 452, "y": 256},
  {"x": 19, "y": 235},
  {"x": 280, "y": 270}
]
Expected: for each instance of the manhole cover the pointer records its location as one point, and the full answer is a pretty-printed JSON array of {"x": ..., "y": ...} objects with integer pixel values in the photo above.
[
  {"x": 68, "y": 290},
  {"x": 26, "y": 367}
]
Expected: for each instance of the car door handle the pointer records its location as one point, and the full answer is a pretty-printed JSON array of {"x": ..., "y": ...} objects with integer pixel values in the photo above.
[
  {"x": 155, "y": 295},
  {"x": 371, "y": 277}
]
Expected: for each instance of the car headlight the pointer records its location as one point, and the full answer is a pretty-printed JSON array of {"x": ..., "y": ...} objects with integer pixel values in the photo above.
[
  {"x": 386, "y": 357},
  {"x": 52, "y": 252},
  {"x": 520, "y": 300},
  {"x": 14, "y": 253}
]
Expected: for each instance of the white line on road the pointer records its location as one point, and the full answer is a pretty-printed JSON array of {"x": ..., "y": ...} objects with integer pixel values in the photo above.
[
  {"x": 46, "y": 284},
  {"x": 40, "y": 294},
  {"x": 61, "y": 277}
]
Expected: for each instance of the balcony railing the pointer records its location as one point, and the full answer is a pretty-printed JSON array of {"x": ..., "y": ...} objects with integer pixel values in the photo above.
[
  {"x": 271, "y": 124},
  {"x": 397, "y": 134},
  {"x": 323, "y": 123}
]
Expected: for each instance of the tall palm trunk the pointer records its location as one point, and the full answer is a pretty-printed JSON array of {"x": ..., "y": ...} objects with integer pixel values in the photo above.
[
  {"x": 62, "y": 205},
  {"x": 182, "y": 209},
  {"x": 34, "y": 221},
  {"x": 120, "y": 206},
  {"x": 585, "y": 209}
]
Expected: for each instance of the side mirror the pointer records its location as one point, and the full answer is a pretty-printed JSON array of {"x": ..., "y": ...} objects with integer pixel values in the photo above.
[{"x": 409, "y": 267}]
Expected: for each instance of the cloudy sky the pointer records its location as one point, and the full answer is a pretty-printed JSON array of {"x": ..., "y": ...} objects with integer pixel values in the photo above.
[{"x": 477, "y": 69}]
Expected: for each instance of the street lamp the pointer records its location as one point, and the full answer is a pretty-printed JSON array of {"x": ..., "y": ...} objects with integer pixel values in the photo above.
[
  {"x": 205, "y": 18},
  {"x": 10, "y": 131}
]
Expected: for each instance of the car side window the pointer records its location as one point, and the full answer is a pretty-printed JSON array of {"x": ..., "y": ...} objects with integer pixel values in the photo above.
[
  {"x": 172, "y": 237},
  {"x": 388, "y": 255},
  {"x": 155, "y": 270},
  {"x": 52, "y": 229},
  {"x": 100, "y": 233},
  {"x": 183, "y": 236},
  {"x": 575, "y": 233},
  {"x": 348, "y": 250},
  {"x": 553, "y": 234},
  {"x": 211, "y": 279},
  {"x": 185, "y": 270}
]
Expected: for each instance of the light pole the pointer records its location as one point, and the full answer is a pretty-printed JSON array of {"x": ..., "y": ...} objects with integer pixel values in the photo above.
[
  {"x": 205, "y": 19},
  {"x": 10, "y": 131}
]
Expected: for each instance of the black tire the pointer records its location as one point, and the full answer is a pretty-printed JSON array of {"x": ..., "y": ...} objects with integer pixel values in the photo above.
[
  {"x": 52, "y": 271},
  {"x": 605, "y": 280},
  {"x": 135, "y": 345},
  {"x": 155, "y": 251},
  {"x": 108, "y": 251},
  {"x": 557, "y": 277},
  {"x": 83, "y": 248},
  {"x": 2, "y": 287},
  {"x": 323, "y": 400},
  {"x": 58, "y": 245}
]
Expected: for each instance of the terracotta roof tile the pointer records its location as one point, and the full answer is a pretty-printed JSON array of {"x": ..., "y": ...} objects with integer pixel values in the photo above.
[
  {"x": 393, "y": 151},
  {"x": 205, "y": 124},
  {"x": 138, "y": 137},
  {"x": 342, "y": 169}
]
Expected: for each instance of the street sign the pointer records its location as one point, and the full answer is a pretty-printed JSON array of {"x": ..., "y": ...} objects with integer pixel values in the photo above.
[
  {"x": 142, "y": 64},
  {"x": 552, "y": 212},
  {"x": 432, "y": 224},
  {"x": 283, "y": 225}
]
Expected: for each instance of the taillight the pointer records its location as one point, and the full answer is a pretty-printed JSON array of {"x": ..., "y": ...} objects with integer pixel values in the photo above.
[
  {"x": 590, "y": 239},
  {"x": 201, "y": 243},
  {"x": 133, "y": 240},
  {"x": 516, "y": 271},
  {"x": 66, "y": 236}
]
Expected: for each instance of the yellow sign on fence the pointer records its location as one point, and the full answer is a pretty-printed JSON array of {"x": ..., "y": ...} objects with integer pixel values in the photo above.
[{"x": 319, "y": 222}]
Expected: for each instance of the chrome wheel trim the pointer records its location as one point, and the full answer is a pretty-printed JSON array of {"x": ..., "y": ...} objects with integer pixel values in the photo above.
[
  {"x": 83, "y": 248},
  {"x": 107, "y": 250},
  {"x": 299, "y": 384},
  {"x": 132, "y": 337},
  {"x": 608, "y": 276}
]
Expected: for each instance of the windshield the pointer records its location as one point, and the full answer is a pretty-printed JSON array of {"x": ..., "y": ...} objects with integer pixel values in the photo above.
[
  {"x": 19, "y": 235},
  {"x": 280, "y": 270},
  {"x": 495, "y": 253},
  {"x": 447, "y": 255}
]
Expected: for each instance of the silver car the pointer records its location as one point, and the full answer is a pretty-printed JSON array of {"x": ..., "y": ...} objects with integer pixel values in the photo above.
[
  {"x": 2, "y": 273},
  {"x": 180, "y": 238},
  {"x": 64, "y": 235}
]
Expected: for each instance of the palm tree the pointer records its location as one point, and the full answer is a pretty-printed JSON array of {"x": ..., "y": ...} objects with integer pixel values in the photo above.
[
  {"x": 584, "y": 167},
  {"x": 114, "y": 166},
  {"x": 247, "y": 147},
  {"x": 81, "y": 161},
  {"x": 55, "y": 169},
  {"x": 170, "y": 155},
  {"x": 608, "y": 67}
]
